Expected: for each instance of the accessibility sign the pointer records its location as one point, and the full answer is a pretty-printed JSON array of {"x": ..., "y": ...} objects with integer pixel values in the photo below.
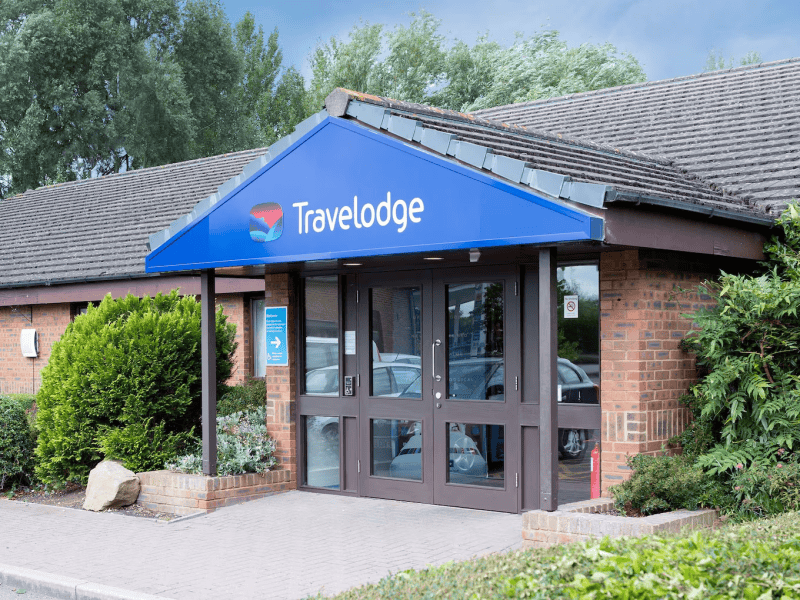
[{"x": 276, "y": 333}]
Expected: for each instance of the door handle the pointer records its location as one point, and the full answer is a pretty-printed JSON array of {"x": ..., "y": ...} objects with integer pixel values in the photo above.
[{"x": 433, "y": 360}]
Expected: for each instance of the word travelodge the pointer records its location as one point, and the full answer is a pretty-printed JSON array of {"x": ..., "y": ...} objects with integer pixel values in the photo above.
[{"x": 399, "y": 212}]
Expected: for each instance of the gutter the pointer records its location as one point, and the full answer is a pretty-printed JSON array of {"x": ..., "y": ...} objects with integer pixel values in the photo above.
[{"x": 709, "y": 211}]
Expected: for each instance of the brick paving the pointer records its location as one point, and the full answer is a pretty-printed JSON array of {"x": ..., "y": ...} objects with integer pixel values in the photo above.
[{"x": 285, "y": 546}]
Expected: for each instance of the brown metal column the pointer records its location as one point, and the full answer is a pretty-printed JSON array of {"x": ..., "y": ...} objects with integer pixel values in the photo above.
[
  {"x": 548, "y": 403},
  {"x": 208, "y": 343}
]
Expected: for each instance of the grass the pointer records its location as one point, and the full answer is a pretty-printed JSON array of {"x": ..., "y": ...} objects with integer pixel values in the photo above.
[{"x": 758, "y": 560}]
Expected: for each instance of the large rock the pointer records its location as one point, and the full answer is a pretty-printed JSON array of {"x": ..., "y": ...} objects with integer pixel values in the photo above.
[{"x": 110, "y": 485}]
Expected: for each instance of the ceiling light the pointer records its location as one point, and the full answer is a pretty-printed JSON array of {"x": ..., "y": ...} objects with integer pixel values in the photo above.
[
  {"x": 474, "y": 255},
  {"x": 433, "y": 258},
  {"x": 352, "y": 264}
]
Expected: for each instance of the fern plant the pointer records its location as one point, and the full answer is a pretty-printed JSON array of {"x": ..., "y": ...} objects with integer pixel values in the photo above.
[{"x": 748, "y": 345}]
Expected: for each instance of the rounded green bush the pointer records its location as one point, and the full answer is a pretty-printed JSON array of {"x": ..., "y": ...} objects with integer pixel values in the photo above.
[
  {"x": 123, "y": 382},
  {"x": 16, "y": 444}
]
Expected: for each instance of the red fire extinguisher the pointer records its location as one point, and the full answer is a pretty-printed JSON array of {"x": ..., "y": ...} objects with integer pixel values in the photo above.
[{"x": 595, "y": 467}]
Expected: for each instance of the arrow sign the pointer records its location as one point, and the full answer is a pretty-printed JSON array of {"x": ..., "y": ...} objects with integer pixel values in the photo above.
[{"x": 276, "y": 332}]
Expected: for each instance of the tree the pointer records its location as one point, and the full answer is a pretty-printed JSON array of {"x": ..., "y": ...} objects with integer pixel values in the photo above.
[
  {"x": 89, "y": 87},
  {"x": 417, "y": 66},
  {"x": 716, "y": 60},
  {"x": 68, "y": 69}
]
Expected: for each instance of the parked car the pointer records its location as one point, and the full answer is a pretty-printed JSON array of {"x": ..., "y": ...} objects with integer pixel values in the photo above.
[{"x": 388, "y": 379}]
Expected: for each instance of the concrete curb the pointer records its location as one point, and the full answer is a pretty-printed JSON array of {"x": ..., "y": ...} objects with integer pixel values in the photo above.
[{"x": 66, "y": 587}]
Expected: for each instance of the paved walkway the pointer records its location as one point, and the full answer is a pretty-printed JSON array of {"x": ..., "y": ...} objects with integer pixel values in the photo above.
[{"x": 285, "y": 546}]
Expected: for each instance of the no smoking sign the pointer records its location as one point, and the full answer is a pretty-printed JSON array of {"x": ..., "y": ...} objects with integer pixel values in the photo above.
[{"x": 570, "y": 307}]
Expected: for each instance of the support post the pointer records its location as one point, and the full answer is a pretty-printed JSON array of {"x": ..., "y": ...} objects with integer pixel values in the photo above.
[
  {"x": 208, "y": 342},
  {"x": 548, "y": 403}
]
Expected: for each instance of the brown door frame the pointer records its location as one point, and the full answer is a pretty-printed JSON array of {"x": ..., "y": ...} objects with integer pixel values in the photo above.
[
  {"x": 417, "y": 409},
  {"x": 475, "y": 411}
]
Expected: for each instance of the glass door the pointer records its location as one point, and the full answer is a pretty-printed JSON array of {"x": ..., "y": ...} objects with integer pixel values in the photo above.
[
  {"x": 476, "y": 381},
  {"x": 396, "y": 421},
  {"x": 438, "y": 387}
]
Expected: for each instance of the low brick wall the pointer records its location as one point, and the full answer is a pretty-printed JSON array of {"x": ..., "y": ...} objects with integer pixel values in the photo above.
[
  {"x": 182, "y": 494},
  {"x": 583, "y": 520}
]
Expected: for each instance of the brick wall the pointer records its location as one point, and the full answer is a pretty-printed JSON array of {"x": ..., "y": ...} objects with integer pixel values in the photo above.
[
  {"x": 643, "y": 370},
  {"x": 20, "y": 375},
  {"x": 237, "y": 308},
  {"x": 281, "y": 381}
]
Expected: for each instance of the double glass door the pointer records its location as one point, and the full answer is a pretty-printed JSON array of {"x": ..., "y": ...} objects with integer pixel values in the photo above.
[{"x": 439, "y": 387}]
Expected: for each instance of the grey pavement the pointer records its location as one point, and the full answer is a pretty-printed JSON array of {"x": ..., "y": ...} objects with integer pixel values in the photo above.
[{"x": 285, "y": 546}]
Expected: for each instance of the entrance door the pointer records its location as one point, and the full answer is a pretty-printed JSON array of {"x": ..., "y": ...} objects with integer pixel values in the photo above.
[{"x": 439, "y": 387}]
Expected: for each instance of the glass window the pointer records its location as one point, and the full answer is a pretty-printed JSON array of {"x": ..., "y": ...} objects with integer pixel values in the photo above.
[
  {"x": 475, "y": 342},
  {"x": 476, "y": 454},
  {"x": 259, "y": 337},
  {"x": 396, "y": 334},
  {"x": 321, "y": 324},
  {"x": 397, "y": 449},
  {"x": 575, "y": 463},
  {"x": 322, "y": 452},
  {"x": 579, "y": 335}
]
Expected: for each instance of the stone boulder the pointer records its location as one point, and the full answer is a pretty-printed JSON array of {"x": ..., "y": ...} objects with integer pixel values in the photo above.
[{"x": 110, "y": 485}]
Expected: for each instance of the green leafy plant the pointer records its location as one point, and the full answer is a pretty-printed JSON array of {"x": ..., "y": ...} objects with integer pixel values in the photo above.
[
  {"x": 16, "y": 443},
  {"x": 770, "y": 489},
  {"x": 662, "y": 483},
  {"x": 748, "y": 345},
  {"x": 238, "y": 398},
  {"x": 243, "y": 446},
  {"x": 752, "y": 560},
  {"x": 124, "y": 382}
]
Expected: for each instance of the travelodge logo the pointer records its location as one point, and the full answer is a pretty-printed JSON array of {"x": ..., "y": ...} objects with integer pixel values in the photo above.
[{"x": 266, "y": 222}]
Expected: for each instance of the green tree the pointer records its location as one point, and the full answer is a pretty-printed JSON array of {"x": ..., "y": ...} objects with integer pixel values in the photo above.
[
  {"x": 415, "y": 64},
  {"x": 715, "y": 61},
  {"x": 89, "y": 87}
]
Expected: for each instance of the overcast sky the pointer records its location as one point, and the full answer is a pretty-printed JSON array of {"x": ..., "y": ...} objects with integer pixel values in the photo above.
[{"x": 670, "y": 39}]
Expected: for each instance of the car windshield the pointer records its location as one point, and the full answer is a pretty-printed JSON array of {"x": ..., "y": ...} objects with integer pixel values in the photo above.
[{"x": 471, "y": 380}]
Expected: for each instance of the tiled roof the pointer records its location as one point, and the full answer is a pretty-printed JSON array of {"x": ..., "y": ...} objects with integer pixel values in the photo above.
[
  {"x": 633, "y": 174},
  {"x": 98, "y": 228},
  {"x": 738, "y": 128}
]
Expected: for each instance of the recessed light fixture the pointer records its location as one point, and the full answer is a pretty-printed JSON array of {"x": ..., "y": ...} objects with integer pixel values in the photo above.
[
  {"x": 352, "y": 264},
  {"x": 433, "y": 258}
]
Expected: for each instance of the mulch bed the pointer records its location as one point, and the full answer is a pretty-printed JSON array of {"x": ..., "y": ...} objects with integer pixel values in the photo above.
[{"x": 72, "y": 496}]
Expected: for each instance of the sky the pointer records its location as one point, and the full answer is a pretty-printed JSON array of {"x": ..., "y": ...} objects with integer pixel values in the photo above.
[{"x": 670, "y": 39}]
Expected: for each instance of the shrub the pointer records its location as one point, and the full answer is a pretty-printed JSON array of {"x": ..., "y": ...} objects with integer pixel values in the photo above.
[
  {"x": 243, "y": 446},
  {"x": 239, "y": 398},
  {"x": 16, "y": 443},
  {"x": 749, "y": 345},
  {"x": 124, "y": 382},
  {"x": 741, "y": 561},
  {"x": 768, "y": 490},
  {"x": 662, "y": 483}
]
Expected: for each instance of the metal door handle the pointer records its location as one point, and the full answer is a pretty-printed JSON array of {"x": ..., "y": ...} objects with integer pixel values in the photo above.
[{"x": 433, "y": 360}]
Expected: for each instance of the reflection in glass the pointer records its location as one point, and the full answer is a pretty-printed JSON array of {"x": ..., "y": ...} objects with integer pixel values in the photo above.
[
  {"x": 579, "y": 336},
  {"x": 475, "y": 342},
  {"x": 397, "y": 449},
  {"x": 574, "y": 463},
  {"x": 575, "y": 386},
  {"x": 321, "y": 351},
  {"x": 396, "y": 334},
  {"x": 322, "y": 452},
  {"x": 476, "y": 454}
]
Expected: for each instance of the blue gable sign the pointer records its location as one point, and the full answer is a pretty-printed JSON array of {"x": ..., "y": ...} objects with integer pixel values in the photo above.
[{"x": 345, "y": 191}]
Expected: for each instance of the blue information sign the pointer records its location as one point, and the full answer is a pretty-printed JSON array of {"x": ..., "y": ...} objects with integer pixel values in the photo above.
[{"x": 277, "y": 351}]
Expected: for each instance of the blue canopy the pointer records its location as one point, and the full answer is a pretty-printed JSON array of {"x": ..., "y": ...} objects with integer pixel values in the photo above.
[{"x": 343, "y": 191}]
